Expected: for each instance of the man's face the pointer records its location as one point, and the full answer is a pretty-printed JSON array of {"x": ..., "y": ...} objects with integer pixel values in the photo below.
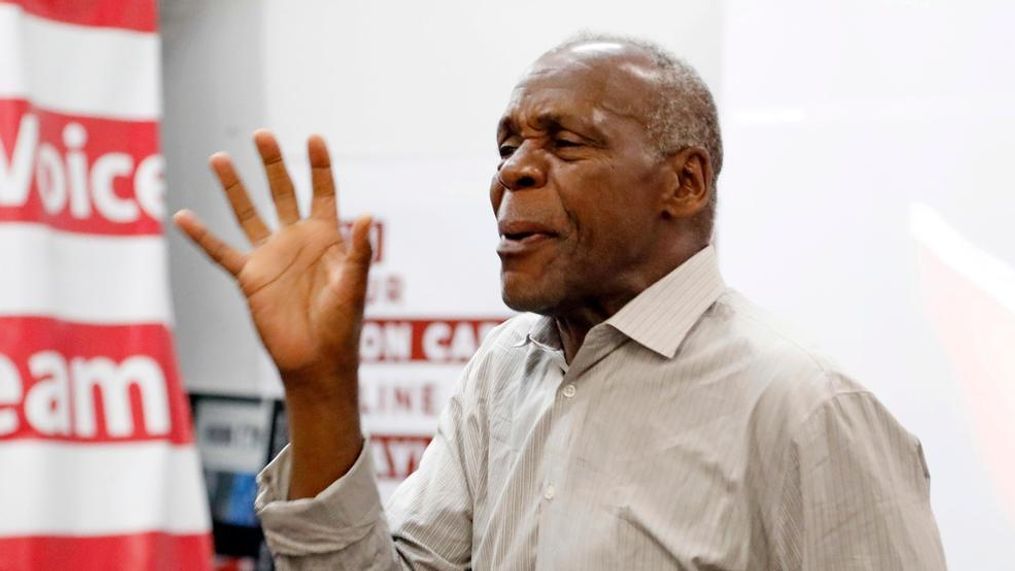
[{"x": 578, "y": 190}]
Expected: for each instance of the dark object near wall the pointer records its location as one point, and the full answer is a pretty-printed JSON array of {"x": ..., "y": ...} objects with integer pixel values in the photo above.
[{"x": 236, "y": 437}]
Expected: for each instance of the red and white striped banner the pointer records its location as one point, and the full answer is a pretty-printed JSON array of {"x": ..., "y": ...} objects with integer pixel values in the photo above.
[{"x": 98, "y": 468}]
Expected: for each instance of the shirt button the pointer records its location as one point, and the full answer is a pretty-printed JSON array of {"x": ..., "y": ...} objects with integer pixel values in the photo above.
[
  {"x": 569, "y": 391},
  {"x": 550, "y": 492}
]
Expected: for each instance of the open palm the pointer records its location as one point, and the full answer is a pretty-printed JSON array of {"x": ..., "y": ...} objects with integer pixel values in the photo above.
[{"x": 305, "y": 285}]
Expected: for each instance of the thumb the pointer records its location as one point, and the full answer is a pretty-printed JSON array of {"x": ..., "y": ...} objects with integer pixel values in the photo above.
[
  {"x": 361, "y": 251},
  {"x": 354, "y": 272}
]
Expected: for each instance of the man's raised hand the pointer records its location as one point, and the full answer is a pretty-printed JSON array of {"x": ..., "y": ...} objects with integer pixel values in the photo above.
[{"x": 305, "y": 287}]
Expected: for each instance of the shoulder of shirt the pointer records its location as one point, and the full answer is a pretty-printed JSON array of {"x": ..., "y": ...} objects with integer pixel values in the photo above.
[
  {"x": 790, "y": 376},
  {"x": 797, "y": 401}
]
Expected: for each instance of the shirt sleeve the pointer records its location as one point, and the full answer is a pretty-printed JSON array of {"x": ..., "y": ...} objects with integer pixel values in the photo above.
[
  {"x": 857, "y": 493},
  {"x": 345, "y": 527},
  {"x": 342, "y": 527}
]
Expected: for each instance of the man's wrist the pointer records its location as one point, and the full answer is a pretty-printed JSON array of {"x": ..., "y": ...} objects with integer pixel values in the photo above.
[
  {"x": 324, "y": 428},
  {"x": 312, "y": 387}
]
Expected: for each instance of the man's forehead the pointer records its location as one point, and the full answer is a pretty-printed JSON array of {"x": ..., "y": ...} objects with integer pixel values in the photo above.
[
  {"x": 548, "y": 109},
  {"x": 587, "y": 63},
  {"x": 588, "y": 78}
]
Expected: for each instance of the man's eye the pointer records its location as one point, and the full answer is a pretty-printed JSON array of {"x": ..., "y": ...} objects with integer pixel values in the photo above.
[
  {"x": 506, "y": 150},
  {"x": 566, "y": 143}
]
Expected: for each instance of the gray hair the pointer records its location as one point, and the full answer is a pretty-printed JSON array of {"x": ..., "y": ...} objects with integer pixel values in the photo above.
[{"x": 686, "y": 114}]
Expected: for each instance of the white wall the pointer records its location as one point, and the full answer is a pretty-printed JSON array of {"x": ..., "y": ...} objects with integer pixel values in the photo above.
[
  {"x": 839, "y": 117},
  {"x": 214, "y": 97},
  {"x": 424, "y": 79}
]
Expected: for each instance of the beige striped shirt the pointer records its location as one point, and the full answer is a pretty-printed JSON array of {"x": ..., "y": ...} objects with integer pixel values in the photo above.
[{"x": 688, "y": 432}]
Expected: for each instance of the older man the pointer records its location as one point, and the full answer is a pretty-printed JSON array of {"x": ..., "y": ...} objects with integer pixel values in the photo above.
[{"x": 642, "y": 416}]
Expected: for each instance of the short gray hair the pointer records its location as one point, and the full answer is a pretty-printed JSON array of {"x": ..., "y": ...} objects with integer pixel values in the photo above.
[{"x": 686, "y": 115}]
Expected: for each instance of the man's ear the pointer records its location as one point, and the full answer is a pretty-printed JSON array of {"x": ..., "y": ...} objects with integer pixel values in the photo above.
[{"x": 691, "y": 184}]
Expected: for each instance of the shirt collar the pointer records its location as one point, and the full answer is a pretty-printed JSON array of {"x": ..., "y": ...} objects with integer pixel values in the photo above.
[
  {"x": 544, "y": 334},
  {"x": 660, "y": 317}
]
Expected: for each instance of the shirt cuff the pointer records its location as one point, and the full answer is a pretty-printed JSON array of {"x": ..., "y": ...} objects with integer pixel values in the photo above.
[{"x": 343, "y": 513}]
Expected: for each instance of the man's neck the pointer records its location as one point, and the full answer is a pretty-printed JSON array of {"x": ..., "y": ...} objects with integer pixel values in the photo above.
[{"x": 574, "y": 326}]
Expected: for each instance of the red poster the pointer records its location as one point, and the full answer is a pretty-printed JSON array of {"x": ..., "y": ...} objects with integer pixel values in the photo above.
[{"x": 98, "y": 467}]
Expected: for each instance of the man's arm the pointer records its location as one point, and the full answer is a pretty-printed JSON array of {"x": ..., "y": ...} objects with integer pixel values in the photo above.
[
  {"x": 856, "y": 494},
  {"x": 429, "y": 517},
  {"x": 305, "y": 286}
]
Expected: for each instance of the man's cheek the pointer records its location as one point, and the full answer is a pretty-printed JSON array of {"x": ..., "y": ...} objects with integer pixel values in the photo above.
[{"x": 496, "y": 195}]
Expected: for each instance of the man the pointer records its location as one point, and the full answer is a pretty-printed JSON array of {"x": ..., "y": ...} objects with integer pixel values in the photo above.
[{"x": 642, "y": 416}]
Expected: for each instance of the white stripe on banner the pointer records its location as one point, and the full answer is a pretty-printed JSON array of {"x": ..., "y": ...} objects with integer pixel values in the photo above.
[
  {"x": 85, "y": 278},
  {"x": 78, "y": 70},
  {"x": 55, "y": 488}
]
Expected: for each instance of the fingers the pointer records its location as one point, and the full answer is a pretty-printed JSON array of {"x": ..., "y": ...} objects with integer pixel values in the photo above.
[
  {"x": 325, "y": 203},
  {"x": 243, "y": 209},
  {"x": 221, "y": 253},
  {"x": 281, "y": 185}
]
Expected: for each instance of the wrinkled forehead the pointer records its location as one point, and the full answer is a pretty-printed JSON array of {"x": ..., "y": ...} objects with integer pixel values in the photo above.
[{"x": 597, "y": 80}]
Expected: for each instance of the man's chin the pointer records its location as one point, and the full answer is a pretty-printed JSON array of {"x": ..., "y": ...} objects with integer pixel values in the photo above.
[
  {"x": 526, "y": 305},
  {"x": 525, "y": 296}
]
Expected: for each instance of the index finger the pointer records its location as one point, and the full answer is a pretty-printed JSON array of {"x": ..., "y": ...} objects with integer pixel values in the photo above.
[
  {"x": 243, "y": 209},
  {"x": 221, "y": 253}
]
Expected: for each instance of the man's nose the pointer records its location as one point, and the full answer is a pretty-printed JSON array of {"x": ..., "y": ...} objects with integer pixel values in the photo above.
[{"x": 525, "y": 168}]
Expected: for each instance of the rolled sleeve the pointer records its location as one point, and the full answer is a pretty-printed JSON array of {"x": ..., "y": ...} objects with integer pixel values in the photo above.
[
  {"x": 344, "y": 513},
  {"x": 427, "y": 523}
]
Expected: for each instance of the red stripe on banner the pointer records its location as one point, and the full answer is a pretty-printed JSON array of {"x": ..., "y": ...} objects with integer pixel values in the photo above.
[
  {"x": 89, "y": 383},
  {"x": 138, "y": 15},
  {"x": 393, "y": 340},
  {"x": 396, "y": 456},
  {"x": 136, "y": 551},
  {"x": 79, "y": 174}
]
